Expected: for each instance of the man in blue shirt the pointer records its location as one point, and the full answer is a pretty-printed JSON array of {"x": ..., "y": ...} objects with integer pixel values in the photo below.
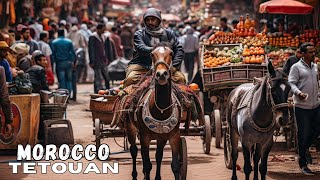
[
  {"x": 3, "y": 62},
  {"x": 64, "y": 57}
]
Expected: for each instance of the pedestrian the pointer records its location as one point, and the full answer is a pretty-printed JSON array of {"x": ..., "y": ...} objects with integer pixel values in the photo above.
[
  {"x": 21, "y": 51},
  {"x": 100, "y": 54},
  {"x": 117, "y": 41},
  {"x": 291, "y": 61},
  {"x": 64, "y": 57},
  {"x": 144, "y": 41},
  {"x": 190, "y": 44},
  {"x": 303, "y": 79},
  {"x": 45, "y": 48},
  {"x": 37, "y": 73},
  {"x": 5, "y": 102},
  {"x": 38, "y": 28},
  {"x": 87, "y": 72},
  {"x": 3, "y": 62},
  {"x": 127, "y": 41},
  {"x": 26, "y": 38}
]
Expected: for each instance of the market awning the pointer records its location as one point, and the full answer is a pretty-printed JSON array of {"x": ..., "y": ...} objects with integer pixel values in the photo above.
[
  {"x": 285, "y": 7},
  {"x": 120, "y": 2}
]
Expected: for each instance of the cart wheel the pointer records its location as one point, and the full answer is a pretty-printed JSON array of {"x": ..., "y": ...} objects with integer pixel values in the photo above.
[
  {"x": 227, "y": 148},
  {"x": 183, "y": 159},
  {"x": 206, "y": 141},
  {"x": 217, "y": 125},
  {"x": 97, "y": 127}
]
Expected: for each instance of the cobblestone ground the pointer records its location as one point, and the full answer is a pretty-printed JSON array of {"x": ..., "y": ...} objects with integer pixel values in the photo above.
[{"x": 200, "y": 165}]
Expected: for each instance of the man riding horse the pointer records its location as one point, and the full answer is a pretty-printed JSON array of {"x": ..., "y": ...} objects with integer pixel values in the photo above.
[{"x": 144, "y": 41}]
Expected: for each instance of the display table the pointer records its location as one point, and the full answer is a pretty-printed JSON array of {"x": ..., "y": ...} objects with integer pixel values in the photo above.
[{"x": 26, "y": 115}]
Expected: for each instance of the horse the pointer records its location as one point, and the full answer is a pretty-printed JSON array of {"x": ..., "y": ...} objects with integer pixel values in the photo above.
[
  {"x": 157, "y": 116},
  {"x": 254, "y": 111}
]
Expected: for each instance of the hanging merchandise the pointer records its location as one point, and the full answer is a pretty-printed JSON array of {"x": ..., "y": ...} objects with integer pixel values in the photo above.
[{"x": 12, "y": 12}]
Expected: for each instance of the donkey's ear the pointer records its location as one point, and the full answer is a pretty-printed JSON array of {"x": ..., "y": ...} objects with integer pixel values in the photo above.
[{"x": 271, "y": 70}]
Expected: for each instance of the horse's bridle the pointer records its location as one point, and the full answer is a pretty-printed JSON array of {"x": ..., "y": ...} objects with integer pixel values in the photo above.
[
  {"x": 169, "y": 69},
  {"x": 274, "y": 106}
]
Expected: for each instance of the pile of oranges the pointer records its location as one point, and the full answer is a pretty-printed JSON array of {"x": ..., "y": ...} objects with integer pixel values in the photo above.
[
  {"x": 254, "y": 59},
  {"x": 210, "y": 61},
  {"x": 253, "y": 51}
]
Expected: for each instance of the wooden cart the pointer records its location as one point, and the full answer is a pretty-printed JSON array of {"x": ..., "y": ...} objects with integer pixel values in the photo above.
[
  {"x": 220, "y": 81},
  {"x": 101, "y": 107}
]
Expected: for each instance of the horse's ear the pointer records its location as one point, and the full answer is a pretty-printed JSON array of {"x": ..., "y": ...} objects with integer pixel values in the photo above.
[{"x": 271, "y": 70}]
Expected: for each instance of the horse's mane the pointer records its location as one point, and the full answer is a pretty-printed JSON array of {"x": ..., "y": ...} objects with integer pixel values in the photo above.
[{"x": 162, "y": 44}]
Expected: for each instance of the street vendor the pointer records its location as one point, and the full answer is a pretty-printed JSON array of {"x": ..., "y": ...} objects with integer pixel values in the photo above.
[
  {"x": 144, "y": 40},
  {"x": 5, "y": 102}
]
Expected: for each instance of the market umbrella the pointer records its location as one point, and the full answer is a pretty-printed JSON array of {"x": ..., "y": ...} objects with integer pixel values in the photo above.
[
  {"x": 285, "y": 7},
  {"x": 170, "y": 17}
]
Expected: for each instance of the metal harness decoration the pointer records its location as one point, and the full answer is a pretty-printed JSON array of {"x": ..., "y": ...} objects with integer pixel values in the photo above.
[{"x": 160, "y": 126}]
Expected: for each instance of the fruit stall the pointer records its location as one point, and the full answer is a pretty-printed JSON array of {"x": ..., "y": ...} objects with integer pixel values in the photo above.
[{"x": 229, "y": 59}]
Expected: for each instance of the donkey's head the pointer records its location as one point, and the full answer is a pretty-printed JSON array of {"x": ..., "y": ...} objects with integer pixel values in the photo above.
[
  {"x": 277, "y": 94},
  {"x": 162, "y": 62}
]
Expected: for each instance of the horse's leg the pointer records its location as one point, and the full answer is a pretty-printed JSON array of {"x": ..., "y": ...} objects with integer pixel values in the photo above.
[
  {"x": 234, "y": 152},
  {"x": 147, "y": 165},
  {"x": 264, "y": 159},
  {"x": 159, "y": 154},
  {"x": 247, "y": 160},
  {"x": 256, "y": 159},
  {"x": 132, "y": 133},
  {"x": 175, "y": 147}
]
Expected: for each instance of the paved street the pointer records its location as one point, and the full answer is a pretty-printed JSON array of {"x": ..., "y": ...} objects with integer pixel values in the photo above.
[{"x": 200, "y": 165}]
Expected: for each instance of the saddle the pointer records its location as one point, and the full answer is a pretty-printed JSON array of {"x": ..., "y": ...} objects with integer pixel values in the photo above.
[{"x": 128, "y": 102}]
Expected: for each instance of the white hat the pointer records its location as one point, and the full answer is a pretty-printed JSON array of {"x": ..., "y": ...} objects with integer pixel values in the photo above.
[
  {"x": 20, "y": 48},
  {"x": 64, "y": 22}
]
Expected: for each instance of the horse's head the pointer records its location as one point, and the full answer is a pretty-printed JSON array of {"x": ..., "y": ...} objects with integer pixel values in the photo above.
[
  {"x": 277, "y": 92},
  {"x": 162, "y": 62}
]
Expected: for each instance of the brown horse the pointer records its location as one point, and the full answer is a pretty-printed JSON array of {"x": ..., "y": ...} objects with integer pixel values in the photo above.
[{"x": 157, "y": 116}]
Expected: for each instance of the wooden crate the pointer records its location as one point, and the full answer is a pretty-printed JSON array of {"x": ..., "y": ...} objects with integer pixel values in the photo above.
[{"x": 231, "y": 76}]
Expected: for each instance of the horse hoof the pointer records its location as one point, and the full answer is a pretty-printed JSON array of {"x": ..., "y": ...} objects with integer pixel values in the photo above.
[
  {"x": 234, "y": 178},
  {"x": 157, "y": 178}
]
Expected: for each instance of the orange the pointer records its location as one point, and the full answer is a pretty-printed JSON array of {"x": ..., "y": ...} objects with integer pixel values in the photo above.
[{"x": 194, "y": 86}]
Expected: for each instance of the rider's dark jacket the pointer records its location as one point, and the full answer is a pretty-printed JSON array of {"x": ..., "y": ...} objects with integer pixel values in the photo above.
[{"x": 143, "y": 48}]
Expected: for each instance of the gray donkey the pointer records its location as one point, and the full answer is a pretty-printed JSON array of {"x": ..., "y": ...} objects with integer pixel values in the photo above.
[{"x": 253, "y": 112}]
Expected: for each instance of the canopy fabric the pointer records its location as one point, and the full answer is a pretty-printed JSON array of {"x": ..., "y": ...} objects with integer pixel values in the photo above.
[
  {"x": 170, "y": 17},
  {"x": 120, "y": 2},
  {"x": 285, "y": 7}
]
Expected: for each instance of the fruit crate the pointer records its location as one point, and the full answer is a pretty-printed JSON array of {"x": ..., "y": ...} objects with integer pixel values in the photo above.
[
  {"x": 229, "y": 76},
  {"x": 101, "y": 107}
]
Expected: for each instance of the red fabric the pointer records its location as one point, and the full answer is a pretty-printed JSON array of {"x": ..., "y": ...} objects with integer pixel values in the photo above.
[
  {"x": 120, "y": 2},
  {"x": 285, "y": 7},
  {"x": 49, "y": 72}
]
